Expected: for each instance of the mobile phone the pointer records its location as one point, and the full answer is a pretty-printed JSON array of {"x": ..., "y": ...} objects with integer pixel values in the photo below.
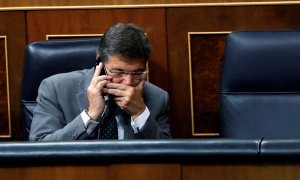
[{"x": 103, "y": 71}]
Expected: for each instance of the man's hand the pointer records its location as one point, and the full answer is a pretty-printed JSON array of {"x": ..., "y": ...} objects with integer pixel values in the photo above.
[
  {"x": 128, "y": 98},
  {"x": 94, "y": 93}
]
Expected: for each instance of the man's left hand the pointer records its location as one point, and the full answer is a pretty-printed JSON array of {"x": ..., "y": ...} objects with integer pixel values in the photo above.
[{"x": 128, "y": 98}]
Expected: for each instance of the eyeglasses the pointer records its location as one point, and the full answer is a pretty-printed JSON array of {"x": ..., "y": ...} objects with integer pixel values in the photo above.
[{"x": 121, "y": 74}]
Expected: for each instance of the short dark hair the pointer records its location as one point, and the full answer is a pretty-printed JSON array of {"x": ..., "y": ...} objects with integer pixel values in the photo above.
[{"x": 126, "y": 40}]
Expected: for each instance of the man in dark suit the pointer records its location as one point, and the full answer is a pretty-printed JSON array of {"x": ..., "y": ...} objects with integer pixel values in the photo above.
[{"x": 138, "y": 109}]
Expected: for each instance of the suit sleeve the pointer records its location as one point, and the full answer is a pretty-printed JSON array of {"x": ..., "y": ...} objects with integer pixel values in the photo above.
[
  {"x": 48, "y": 123},
  {"x": 157, "y": 125}
]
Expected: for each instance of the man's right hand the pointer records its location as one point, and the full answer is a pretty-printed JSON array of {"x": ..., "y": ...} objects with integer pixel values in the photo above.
[{"x": 94, "y": 93}]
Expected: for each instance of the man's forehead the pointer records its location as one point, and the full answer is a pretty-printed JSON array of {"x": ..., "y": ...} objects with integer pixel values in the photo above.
[{"x": 120, "y": 61}]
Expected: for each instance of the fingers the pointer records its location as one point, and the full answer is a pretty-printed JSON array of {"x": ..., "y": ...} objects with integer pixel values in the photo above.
[
  {"x": 117, "y": 86},
  {"x": 102, "y": 84},
  {"x": 121, "y": 89},
  {"x": 97, "y": 73},
  {"x": 99, "y": 80},
  {"x": 115, "y": 92},
  {"x": 98, "y": 70},
  {"x": 140, "y": 86},
  {"x": 124, "y": 87}
]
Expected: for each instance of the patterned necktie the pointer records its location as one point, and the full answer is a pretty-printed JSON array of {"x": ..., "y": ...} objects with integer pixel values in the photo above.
[{"x": 108, "y": 123}]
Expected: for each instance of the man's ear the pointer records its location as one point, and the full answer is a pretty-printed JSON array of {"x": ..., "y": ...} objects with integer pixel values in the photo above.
[{"x": 97, "y": 54}]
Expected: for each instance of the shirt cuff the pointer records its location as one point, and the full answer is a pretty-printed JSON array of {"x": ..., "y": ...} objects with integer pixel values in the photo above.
[
  {"x": 85, "y": 118},
  {"x": 89, "y": 124},
  {"x": 138, "y": 123}
]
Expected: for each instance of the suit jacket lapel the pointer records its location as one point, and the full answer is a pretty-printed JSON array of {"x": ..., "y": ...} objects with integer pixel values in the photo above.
[{"x": 82, "y": 94}]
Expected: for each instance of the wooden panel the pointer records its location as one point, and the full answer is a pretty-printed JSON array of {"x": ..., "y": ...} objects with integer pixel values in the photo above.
[
  {"x": 42, "y": 23},
  {"x": 13, "y": 27},
  {"x": 180, "y": 21},
  {"x": 241, "y": 172},
  {"x": 206, "y": 60},
  {"x": 275, "y": 171},
  {"x": 146, "y": 171},
  {"x": 29, "y": 4},
  {"x": 5, "y": 121},
  {"x": 112, "y": 172},
  {"x": 55, "y": 172}
]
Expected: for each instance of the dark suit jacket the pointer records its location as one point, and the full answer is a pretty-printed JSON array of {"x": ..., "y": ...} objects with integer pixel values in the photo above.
[{"x": 62, "y": 97}]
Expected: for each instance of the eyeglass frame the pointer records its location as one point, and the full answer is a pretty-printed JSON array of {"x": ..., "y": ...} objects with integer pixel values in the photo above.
[{"x": 121, "y": 74}]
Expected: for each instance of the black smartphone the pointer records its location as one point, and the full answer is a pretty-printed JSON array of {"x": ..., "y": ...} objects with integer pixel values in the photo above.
[{"x": 103, "y": 71}]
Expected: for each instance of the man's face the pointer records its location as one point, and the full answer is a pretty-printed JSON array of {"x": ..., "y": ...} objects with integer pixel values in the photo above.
[{"x": 117, "y": 64}]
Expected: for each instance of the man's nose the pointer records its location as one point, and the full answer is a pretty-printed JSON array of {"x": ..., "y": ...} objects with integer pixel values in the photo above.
[{"x": 128, "y": 80}]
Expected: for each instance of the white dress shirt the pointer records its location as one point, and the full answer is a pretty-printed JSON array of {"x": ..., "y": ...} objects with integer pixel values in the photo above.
[{"x": 136, "y": 124}]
